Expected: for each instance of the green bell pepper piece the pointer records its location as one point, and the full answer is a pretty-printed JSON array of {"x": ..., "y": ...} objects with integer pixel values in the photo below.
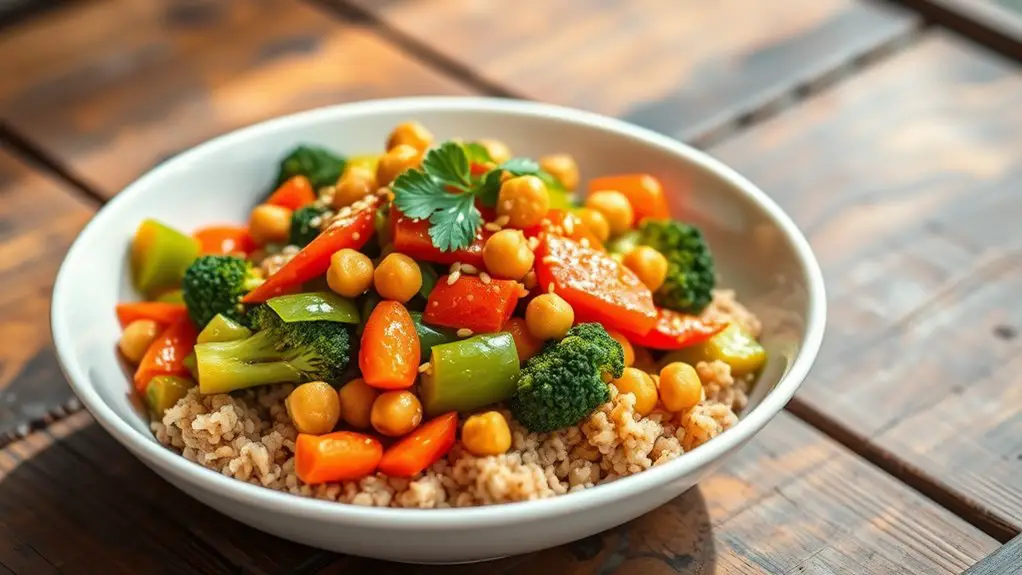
[
  {"x": 191, "y": 363},
  {"x": 164, "y": 391},
  {"x": 429, "y": 335},
  {"x": 159, "y": 257},
  {"x": 471, "y": 373},
  {"x": 732, "y": 345},
  {"x": 314, "y": 306},
  {"x": 173, "y": 296},
  {"x": 222, "y": 328}
]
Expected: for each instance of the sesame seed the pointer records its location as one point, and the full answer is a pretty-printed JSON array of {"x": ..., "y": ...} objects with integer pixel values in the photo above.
[
  {"x": 464, "y": 332},
  {"x": 484, "y": 277},
  {"x": 469, "y": 269},
  {"x": 549, "y": 260},
  {"x": 507, "y": 205},
  {"x": 522, "y": 291},
  {"x": 356, "y": 236},
  {"x": 584, "y": 242},
  {"x": 316, "y": 221},
  {"x": 435, "y": 304},
  {"x": 569, "y": 224},
  {"x": 503, "y": 220},
  {"x": 424, "y": 368},
  {"x": 470, "y": 297},
  {"x": 453, "y": 278},
  {"x": 550, "y": 288},
  {"x": 533, "y": 243},
  {"x": 491, "y": 227},
  {"x": 456, "y": 266}
]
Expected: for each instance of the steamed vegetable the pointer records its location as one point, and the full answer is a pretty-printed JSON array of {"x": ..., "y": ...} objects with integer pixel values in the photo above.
[
  {"x": 336, "y": 456},
  {"x": 166, "y": 354},
  {"x": 222, "y": 240},
  {"x": 733, "y": 345},
  {"x": 216, "y": 284},
  {"x": 164, "y": 391},
  {"x": 320, "y": 166},
  {"x": 314, "y": 306},
  {"x": 162, "y": 313},
  {"x": 421, "y": 448},
  {"x": 159, "y": 257},
  {"x": 565, "y": 383},
  {"x": 294, "y": 193},
  {"x": 305, "y": 222},
  {"x": 471, "y": 373},
  {"x": 411, "y": 237},
  {"x": 222, "y": 328},
  {"x": 470, "y": 303},
  {"x": 389, "y": 354},
  {"x": 674, "y": 330},
  {"x": 429, "y": 335}
]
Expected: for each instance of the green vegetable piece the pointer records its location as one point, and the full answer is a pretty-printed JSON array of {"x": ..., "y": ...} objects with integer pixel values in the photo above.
[
  {"x": 223, "y": 328},
  {"x": 314, "y": 306},
  {"x": 381, "y": 222},
  {"x": 303, "y": 230},
  {"x": 565, "y": 383},
  {"x": 429, "y": 278},
  {"x": 321, "y": 166},
  {"x": 732, "y": 345},
  {"x": 429, "y": 335},
  {"x": 367, "y": 304},
  {"x": 470, "y": 373},
  {"x": 173, "y": 296},
  {"x": 191, "y": 365},
  {"x": 279, "y": 352},
  {"x": 215, "y": 284},
  {"x": 560, "y": 197},
  {"x": 159, "y": 257},
  {"x": 164, "y": 391}
]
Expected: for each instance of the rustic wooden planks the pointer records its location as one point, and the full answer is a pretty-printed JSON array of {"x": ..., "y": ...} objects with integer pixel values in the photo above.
[
  {"x": 906, "y": 180},
  {"x": 849, "y": 517},
  {"x": 39, "y": 220},
  {"x": 994, "y": 23},
  {"x": 133, "y": 84},
  {"x": 681, "y": 67}
]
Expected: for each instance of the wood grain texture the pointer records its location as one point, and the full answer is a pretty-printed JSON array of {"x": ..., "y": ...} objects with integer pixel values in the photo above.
[
  {"x": 906, "y": 181},
  {"x": 849, "y": 516},
  {"x": 994, "y": 23},
  {"x": 137, "y": 81},
  {"x": 39, "y": 219},
  {"x": 1004, "y": 560},
  {"x": 680, "y": 67}
]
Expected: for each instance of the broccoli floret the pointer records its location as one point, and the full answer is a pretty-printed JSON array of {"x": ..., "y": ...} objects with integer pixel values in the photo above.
[
  {"x": 690, "y": 271},
  {"x": 320, "y": 165},
  {"x": 305, "y": 225},
  {"x": 279, "y": 352},
  {"x": 215, "y": 284},
  {"x": 564, "y": 383}
]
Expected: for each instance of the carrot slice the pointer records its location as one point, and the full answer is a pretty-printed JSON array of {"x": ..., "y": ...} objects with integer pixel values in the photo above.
[
  {"x": 294, "y": 193},
  {"x": 674, "y": 330},
  {"x": 389, "y": 354},
  {"x": 337, "y": 456},
  {"x": 555, "y": 222},
  {"x": 643, "y": 191},
  {"x": 225, "y": 240},
  {"x": 162, "y": 313},
  {"x": 421, "y": 448},
  {"x": 166, "y": 355},
  {"x": 469, "y": 303}
]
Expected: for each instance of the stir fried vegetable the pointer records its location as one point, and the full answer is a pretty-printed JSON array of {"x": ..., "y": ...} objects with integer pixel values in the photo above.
[
  {"x": 468, "y": 374},
  {"x": 215, "y": 285},
  {"x": 159, "y": 257}
]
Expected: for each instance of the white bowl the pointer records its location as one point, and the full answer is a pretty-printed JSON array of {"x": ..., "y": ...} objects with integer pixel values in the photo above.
[{"x": 759, "y": 251}]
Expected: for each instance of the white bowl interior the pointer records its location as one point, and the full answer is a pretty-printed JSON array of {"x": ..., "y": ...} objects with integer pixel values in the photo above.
[{"x": 759, "y": 252}]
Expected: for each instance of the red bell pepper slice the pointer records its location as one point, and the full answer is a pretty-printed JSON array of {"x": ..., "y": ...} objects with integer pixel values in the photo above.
[
  {"x": 293, "y": 193},
  {"x": 411, "y": 237},
  {"x": 352, "y": 231},
  {"x": 167, "y": 353},
  {"x": 421, "y": 448},
  {"x": 643, "y": 191},
  {"x": 595, "y": 284},
  {"x": 554, "y": 222},
  {"x": 162, "y": 313},
  {"x": 472, "y": 304},
  {"x": 674, "y": 330},
  {"x": 225, "y": 240},
  {"x": 389, "y": 354}
]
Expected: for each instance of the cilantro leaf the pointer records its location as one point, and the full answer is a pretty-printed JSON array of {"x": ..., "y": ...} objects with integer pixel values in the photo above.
[
  {"x": 454, "y": 226},
  {"x": 490, "y": 188},
  {"x": 415, "y": 194},
  {"x": 477, "y": 153},
  {"x": 520, "y": 166},
  {"x": 449, "y": 164}
]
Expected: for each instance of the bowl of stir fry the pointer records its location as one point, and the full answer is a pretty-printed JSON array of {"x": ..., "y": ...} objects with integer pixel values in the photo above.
[{"x": 437, "y": 329}]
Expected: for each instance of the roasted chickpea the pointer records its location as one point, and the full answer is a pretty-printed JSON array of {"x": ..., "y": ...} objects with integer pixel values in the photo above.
[
  {"x": 357, "y": 400},
  {"x": 525, "y": 200},
  {"x": 356, "y": 183},
  {"x": 649, "y": 264},
  {"x": 498, "y": 151},
  {"x": 626, "y": 346},
  {"x": 526, "y": 344},
  {"x": 548, "y": 316},
  {"x": 486, "y": 434},
  {"x": 595, "y": 222},
  {"x": 269, "y": 224},
  {"x": 680, "y": 387},
  {"x": 562, "y": 167},
  {"x": 639, "y": 384},
  {"x": 350, "y": 273},
  {"x": 395, "y": 413},
  {"x": 507, "y": 255},
  {"x": 314, "y": 408},
  {"x": 397, "y": 277},
  {"x": 615, "y": 207},
  {"x": 411, "y": 134},
  {"x": 396, "y": 161},
  {"x": 136, "y": 339}
]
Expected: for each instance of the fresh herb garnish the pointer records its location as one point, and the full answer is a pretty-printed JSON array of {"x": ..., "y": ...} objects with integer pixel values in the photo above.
[{"x": 444, "y": 191}]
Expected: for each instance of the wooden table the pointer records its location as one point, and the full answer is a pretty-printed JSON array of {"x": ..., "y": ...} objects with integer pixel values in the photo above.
[{"x": 891, "y": 133}]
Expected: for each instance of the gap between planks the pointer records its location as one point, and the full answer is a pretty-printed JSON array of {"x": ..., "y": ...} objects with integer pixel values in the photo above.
[{"x": 986, "y": 24}]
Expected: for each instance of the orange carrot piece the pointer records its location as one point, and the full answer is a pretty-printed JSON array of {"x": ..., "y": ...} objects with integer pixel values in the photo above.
[
  {"x": 293, "y": 194},
  {"x": 167, "y": 353},
  {"x": 225, "y": 240},
  {"x": 162, "y": 313},
  {"x": 643, "y": 191},
  {"x": 389, "y": 354},
  {"x": 337, "y": 456},
  {"x": 472, "y": 304},
  {"x": 421, "y": 448}
]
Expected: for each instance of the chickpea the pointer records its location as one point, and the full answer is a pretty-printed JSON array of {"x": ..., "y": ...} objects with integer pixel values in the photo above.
[
  {"x": 640, "y": 384},
  {"x": 498, "y": 151},
  {"x": 314, "y": 408},
  {"x": 269, "y": 224},
  {"x": 626, "y": 346},
  {"x": 350, "y": 273},
  {"x": 615, "y": 207},
  {"x": 397, "y": 277},
  {"x": 649, "y": 264},
  {"x": 411, "y": 134},
  {"x": 595, "y": 222},
  {"x": 525, "y": 343},
  {"x": 357, "y": 400},
  {"x": 396, "y": 161},
  {"x": 356, "y": 183},
  {"x": 562, "y": 167},
  {"x": 507, "y": 255},
  {"x": 486, "y": 434},
  {"x": 680, "y": 387},
  {"x": 396, "y": 413},
  {"x": 136, "y": 339},
  {"x": 548, "y": 316},
  {"x": 525, "y": 200}
]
